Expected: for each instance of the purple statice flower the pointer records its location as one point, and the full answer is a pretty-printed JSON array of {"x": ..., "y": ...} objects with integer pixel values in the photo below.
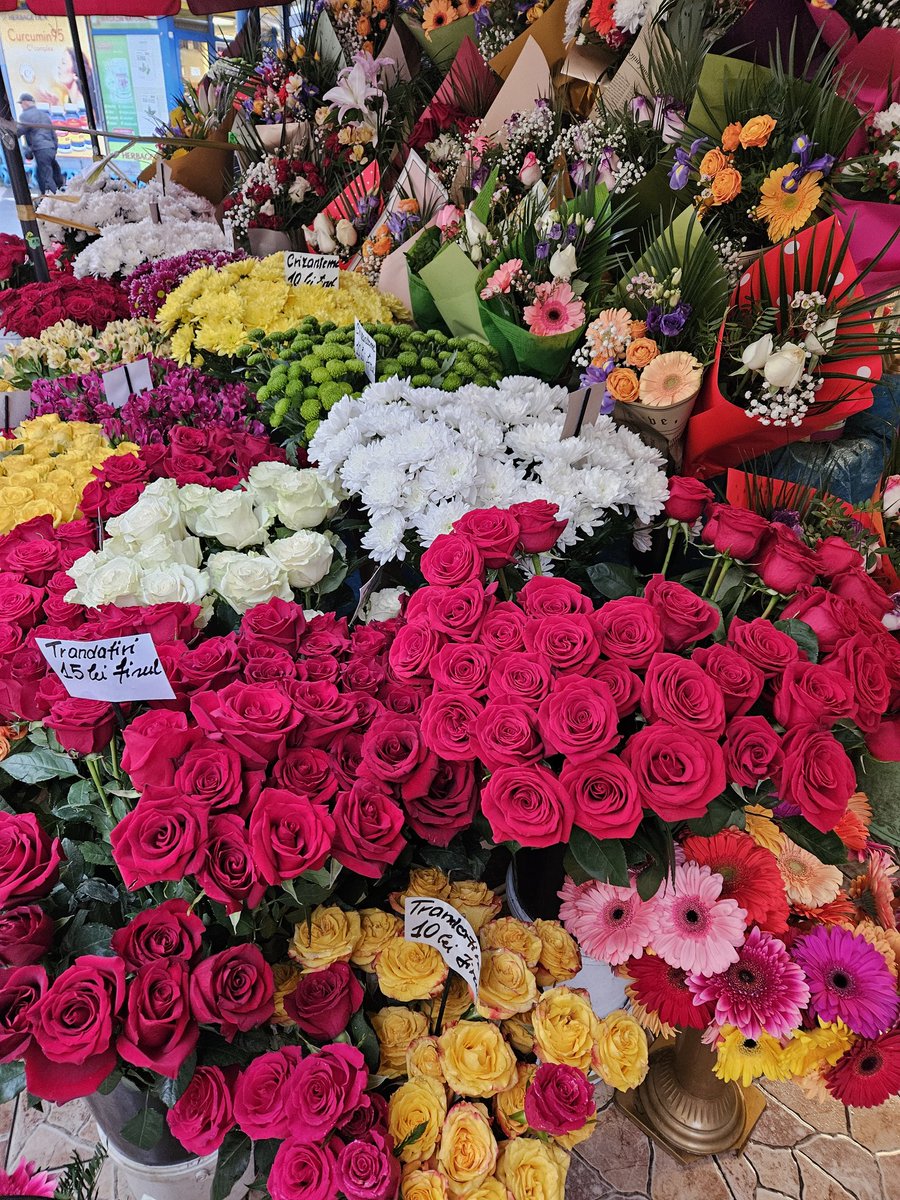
[
  {"x": 150, "y": 284},
  {"x": 542, "y": 250},
  {"x": 672, "y": 323},
  {"x": 790, "y": 518},
  {"x": 572, "y": 231}
]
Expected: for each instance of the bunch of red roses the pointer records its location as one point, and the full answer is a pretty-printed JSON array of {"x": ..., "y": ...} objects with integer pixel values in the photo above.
[
  {"x": 33, "y": 308},
  {"x": 13, "y": 257}
]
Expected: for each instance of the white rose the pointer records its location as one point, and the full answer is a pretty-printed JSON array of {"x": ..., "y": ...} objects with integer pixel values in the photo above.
[
  {"x": 160, "y": 550},
  {"x": 114, "y": 580},
  {"x": 305, "y": 555},
  {"x": 890, "y": 501},
  {"x": 384, "y": 605},
  {"x": 345, "y": 232},
  {"x": 245, "y": 580},
  {"x": 784, "y": 368},
  {"x": 194, "y": 497},
  {"x": 304, "y": 500},
  {"x": 755, "y": 355},
  {"x": 822, "y": 337},
  {"x": 298, "y": 189},
  {"x": 265, "y": 477},
  {"x": 563, "y": 263},
  {"x": 175, "y": 583},
  {"x": 157, "y": 511},
  {"x": 230, "y": 518}
]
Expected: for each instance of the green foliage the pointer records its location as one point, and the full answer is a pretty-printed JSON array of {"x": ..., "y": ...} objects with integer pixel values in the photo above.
[
  {"x": 603, "y": 860},
  {"x": 12, "y": 1080},
  {"x": 146, "y": 1128},
  {"x": 827, "y": 847},
  {"x": 804, "y": 635},
  {"x": 38, "y": 765},
  {"x": 234, "y": 1158},
  {"x": 613, "y": 580}
]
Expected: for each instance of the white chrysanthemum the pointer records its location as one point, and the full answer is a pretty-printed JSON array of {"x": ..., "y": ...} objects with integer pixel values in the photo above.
[
  {"x": 383, "y": 490},
  {"x": 439, "y": 518},
  {"x": 887, "y": 119},
  {"x": 499, "y": 483},
  {"x": 384, "y": 538},
  {"x": 451, "y": 474},
  {"x": 630, "y": 14}
]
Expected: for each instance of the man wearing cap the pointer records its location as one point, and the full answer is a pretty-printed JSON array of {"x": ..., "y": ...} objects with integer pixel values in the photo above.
[{"x": 40, "y": 137}]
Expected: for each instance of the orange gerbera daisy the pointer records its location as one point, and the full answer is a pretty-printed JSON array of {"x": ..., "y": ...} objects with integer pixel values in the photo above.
[
  {"x": 853, "y": 827},
  {"x": 807, "y": 881},
  {"x": 670, "y": 378},
  {"x": 436, "y": 15},
  {"x": 873, "y": 890},
  {"x": 786, "y": 212},
  {"x": 878, "y": 938},
  {"x": 762, "y": 827}
]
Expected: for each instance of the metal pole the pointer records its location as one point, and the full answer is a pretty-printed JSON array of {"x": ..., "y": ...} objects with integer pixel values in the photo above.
[
  {"x": 286, "y": 24},
  {"x": 81, "y": 68},
  {"x": 12, "y": 150}
]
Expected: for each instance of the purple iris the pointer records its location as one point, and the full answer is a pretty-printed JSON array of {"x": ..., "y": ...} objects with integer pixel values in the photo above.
[
  {"x": 594, "y": 377},
  {"x": 684, "y": 161},
  {"x": 483, "y": 19},
  {"x": 672, "y": 323},
  {"x": 400, "y": 223},
  {"x": 804, "y": 147},
  {"x": 555, "y": 232}
]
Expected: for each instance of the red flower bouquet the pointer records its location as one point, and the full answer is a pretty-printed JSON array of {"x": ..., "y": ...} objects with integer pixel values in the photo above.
[{"x": 29, "y": 310}]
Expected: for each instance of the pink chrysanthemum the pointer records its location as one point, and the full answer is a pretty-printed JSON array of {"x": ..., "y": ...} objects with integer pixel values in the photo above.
[
  {"x": 26, "y": 1180},
  {"x": 869, "y": 1073},
  {"x": 763, "y": 990},
  {"x": 556, "y": 309},
  {"x": 696, "y": 930},
  {"x": 610, "y": 923},
  {"x": 848, "y": 979}
]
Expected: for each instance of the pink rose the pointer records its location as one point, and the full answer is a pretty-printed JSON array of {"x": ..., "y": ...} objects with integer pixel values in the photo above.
[
  {"x": 861, "y": 664},
  {"x": 233, "y": 989},
  {"x": 539, "y": 529},
  {"x": 861, "y": 589},
  {"x": 626, "y": 687},
  {"x": 29, "y": 858},
  {"x": 367, "y": 1169},
  {"x": 392, "y": 748},
  {"x": 679, "y": 691},
  {"x": 448, "y": 724},
  {"x": 518, "y": 673},
  {"x": 831, "y": 618},
  {"x": 528, "y": 805},
  {"x": 502, "y": 628},
  {"x": 252, "y": 718},
  {"x": 262, "y": 1096},
  {"x": 413, "y": 649},
  {"x": 26, "y": 934},
  {"x": 203, "y": 1114},
  {"x": 506, "y": 735},
  {"x": 678, "y": 772},
  {"x": 82, "y": 726},
  {"x": 167, "y": 930},
  {"x": 439, "y": 799},
  {"x": 685, "y": 617},
  {"x": 20, "y": 990},
  {"x": 741, "y": 682},
  {"x": 289, "y": 835},
  {"x": 737, "y": 532},
  {"x": 228, "y": 872},
  {"x": 301, "y": 1171},
  {"x": 579, "y": 718},
  {"x": 368, "y": 828},
  {"x": 559, "y": 1100},
  {"x": 605, "y": 795},
  {"x": 326, "y": 1089},
  {"x": 570, "y": 641},
  {"x": 163, "y": 837},
  {"x": 629, "y": 631},
  {"x": 546, "y": 596},
  {"x": 459, "y": 611},
  {"x": 462, "y": 667},
  {"x": 752, "y": 751},
  {"x": 810, "y": 694},
  {"x": 452, "y": 559},
  {"x": 785, "y": 563},
  {"x": 158, "y": 1031},
  {"x": 763, "y": 645},
  {"x": 818, "y": 777},
  {"x": 154, "y": 742},
  {"x": 495, "y": 531},
  {"x": 834, "y": 555}
]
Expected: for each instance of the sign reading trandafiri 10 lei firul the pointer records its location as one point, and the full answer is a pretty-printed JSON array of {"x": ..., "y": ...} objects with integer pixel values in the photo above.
[
  {"x": 116, "y": 669},
  {"x": 427, "y": 919}
]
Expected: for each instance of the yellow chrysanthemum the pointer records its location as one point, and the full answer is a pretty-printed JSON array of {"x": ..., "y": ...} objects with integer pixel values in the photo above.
[
  {"x": 811, "y": 1049},
  {"x": 786, "y": 212},
  {"x": 745, "y": 1059}
]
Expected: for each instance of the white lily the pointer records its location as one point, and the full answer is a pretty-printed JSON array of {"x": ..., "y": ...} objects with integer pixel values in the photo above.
[
  {"x": 822, "y": 337},
  {"x": 352, "y": 91},
  {"x": 563, "y": 263}
]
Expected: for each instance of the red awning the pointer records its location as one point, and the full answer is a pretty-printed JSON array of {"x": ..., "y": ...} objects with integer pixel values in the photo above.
[{"x": 133, "y": 8}]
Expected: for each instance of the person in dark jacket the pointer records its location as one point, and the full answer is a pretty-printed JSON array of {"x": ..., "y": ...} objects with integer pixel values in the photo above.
[{"x": 40, "y": 137}]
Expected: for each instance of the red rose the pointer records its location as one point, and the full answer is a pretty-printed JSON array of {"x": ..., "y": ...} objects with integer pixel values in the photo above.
[
  {"x": 210, "y": 775},
  {"x": 579, "y": 718},
  {"x": 737, "y": 532},
  {"x": 368, "y": 829},
  {"x": 539, "y": 530},
  {"x": 168, "y": 930},
  {"x": 545, "y": 596},
  {"x": 817, "y": 777},
  {"x": 203, "y": 1113},
  {"x": 306, "y": 771},
  {"x": 372, "y": 1113},
  {"x": 163, "y": 837},
  {"x": 860, "y": 589},
  {"x": 495, "y": 531},
  {"x": 506, "y": 735},
  {"x": 741, "y": 682},
  {"x": 605, "y": 794},
  {"x": 20, "y": 990},
  {"x": 228, "y": 872},
  {"x": 830, "y": 618},
  {"x": 685, "y": 617},
  {"x": 234, "y": 990},
  {"x": 763, "y": 645},
  {"x": 18, "y": 691},
  {"x": 174, "y": 622},
  {"x": 502, "y": 628},
  {"x": 362, "y": 674},
  {"x": 154, "y": 743},
  {"x": 678, "y": 773},
  {"x": 459, "y": 611},
  {"x": 323, "y": 709},
  {"x": 809, "y": 694},
  {"x": 82, "y": 726},
  {"x": 448, "y": 720},
  {"x": 626, "y": 687},
  {"x": 29, "y": 859},
  {"x": 559, "y": 1100},
  {"x": 211, "y": 665},
  {"x": 687, "y": 499},
  {"x": 21, "y": 604},
  {"x": 36, "y": 561},
  {"x": 679, "y": 691},
  {"x": 883, "y": 742},
  {"x": 324, "y": 669},
  {"x": 262, "y": 1105},
  {"x": 452, "y": 559},
  {"x": 528, "y": 805},
  {"x": 439, "y": 798},
  {"x": 529, "y": 677},
  {"x": 860, "y": 663},
  {"x": 367, "y": 1169},
  {"x": 324, "y": 1001},
  {"x": 346, "y": 755},
  {"x": 834, "y": 555},
  {"x": 57, "y": 611},
  {"x": 325, "y": 634},
  {"x": 251, "y": 717},
  {"x": 785, "y": 563},
  {"x": 158, "y": 1031},
  {"x": 629, "y": 631},
  {"x": 752, "y": 751},
  {"x": 73, "y": 1049},
  {"x": 288, "y": 835},
  {"x": 26, "y": 934},
  {"x": 413, "y": 649},
  {"x": 570, "y": 642},
  {"x": 277, "y": 622},
  {"x": 392, "y": 748},
  {"x": 462, "y": 667}
]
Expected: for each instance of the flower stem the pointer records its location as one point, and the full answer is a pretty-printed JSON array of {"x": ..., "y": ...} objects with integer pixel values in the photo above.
[
  {"x": 114, "y": 760},
  {"x": 536, "y": 563},
  {"x": 713, "y": 571},
  {"x": 504, "y": 586},
  {"x": 726, "y": 563},
  {"x": 673, "y": 537},
  {"x": 771, "y": 605},
  {"x": 94, "y": 770}
]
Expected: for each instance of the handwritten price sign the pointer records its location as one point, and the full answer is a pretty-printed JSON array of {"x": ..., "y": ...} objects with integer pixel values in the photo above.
[
  {"x": 114, "y": 669},
  {"x": 436, "y": 923},
  {"x": 321, "y": 269}
]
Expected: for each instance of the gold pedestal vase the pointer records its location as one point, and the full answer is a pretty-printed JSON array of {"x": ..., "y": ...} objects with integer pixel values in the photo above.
[{"x": 684, "y": 1107}]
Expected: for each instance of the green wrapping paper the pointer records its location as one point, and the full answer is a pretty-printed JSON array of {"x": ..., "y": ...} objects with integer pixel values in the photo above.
[
  {"x": 441, "y": 45},
  {"x": 519, "y": 349},
  {"x": 451, "y": 278},
  {"x": 424, "y": 310}
]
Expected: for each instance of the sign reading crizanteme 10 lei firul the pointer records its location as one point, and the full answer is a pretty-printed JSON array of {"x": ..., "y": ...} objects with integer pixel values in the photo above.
[
  {"x": 427, "y": 919},
  {"x": 320, "y": 269},
  {"x": 115, "y": 669}
]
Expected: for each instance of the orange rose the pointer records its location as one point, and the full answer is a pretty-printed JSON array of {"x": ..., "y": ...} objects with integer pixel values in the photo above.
[
  {"x": 409, "y": 205},
  {"x": 641, "y": 351},
  {"x": 712, "y": 162},
  {"x": 726, "y": 185},
  {"x": 757, "y": 131},
  {"x": 622, "y": 384},
  {"x": 731, "y": 136},
  {"x": 363, "y": 26},
  {"x": 637, "y": 329}
]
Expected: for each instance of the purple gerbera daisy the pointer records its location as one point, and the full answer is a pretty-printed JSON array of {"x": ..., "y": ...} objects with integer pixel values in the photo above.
[
  {"x": 848, "y": 980},
  {"x": 763, "y": 990}
]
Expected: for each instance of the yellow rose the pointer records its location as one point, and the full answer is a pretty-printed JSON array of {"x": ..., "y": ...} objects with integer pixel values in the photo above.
[
  {"x": 490, "y": 1189},
  {"x": 286, "y": 978},
  {"x": 9, "y": 517},
  {"x": 509, "y": 1106},
  {"x": 565, "y": 1028},
  {"x": 14, "y": 495},
  {"x": 533, "y": 1170},
  {"x": 506, "y": 987},
  {"x": 459, "y": 1002},
  {"x": 520, "y": 1034},
  {"x": 40, "y": 508},
  {"x": 508, "y": 933},
  {"x": 395, "y": 1027},
  {"x": 410, "y": 970},
  {"x": 476, "y": 1059},
  {"x": 620, "y": 1055},
  {"x": 475, "y": 901},
  {"x": 423, "y": 1185},
  {"x": 468, "y": 1150},
  {"x": 423, "y": 881},
  {"x": 423, "y": 1058},
  {"x": 560, "y": 956},
  {"x": 417, "y": 1102},
  {"x": 377, "y": 928},
  {"x": 329, "y": 936}
]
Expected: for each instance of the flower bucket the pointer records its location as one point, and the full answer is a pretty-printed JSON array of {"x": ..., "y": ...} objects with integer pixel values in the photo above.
[
  {"x": 15, "y": 407},
  {"x": 264, "y": 242},
  {"x": 662, "y": 425},
  {"x": 295, "y": 133}
]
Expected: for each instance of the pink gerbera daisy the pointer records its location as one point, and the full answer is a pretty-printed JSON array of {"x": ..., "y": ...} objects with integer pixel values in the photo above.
[
  {"x": 763, "y": 990},
  {"x": 610, "y": 923},
  {"x": 697, "y": 931},
  {"x": 26, "y": 1180},
  {"x": 848, "y": 979},
  {"x": 501, "y": 280},
  {"x": 556, "y": 309}
]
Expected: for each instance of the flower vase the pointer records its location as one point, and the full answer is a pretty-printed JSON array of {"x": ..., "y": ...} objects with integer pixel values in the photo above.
[
  {"x": 684, "y": 1107},
  {"x": 662, "y": 426},
  {"x": 264, "y": 242}
]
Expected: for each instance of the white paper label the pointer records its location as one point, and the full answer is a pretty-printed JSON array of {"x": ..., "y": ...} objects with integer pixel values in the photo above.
[
  {"x": 438, "y": 924},
  {"x": 365, "y": 350},
  {"x": 121, "y": 383},
  {"x": 114, "y": 669},
  {"x": 155, "y": 216},
  {"x": 322, "y": 269}
]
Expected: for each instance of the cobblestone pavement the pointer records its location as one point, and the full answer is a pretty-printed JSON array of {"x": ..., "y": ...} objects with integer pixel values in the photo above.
[{"x": 800, "y": 1150}]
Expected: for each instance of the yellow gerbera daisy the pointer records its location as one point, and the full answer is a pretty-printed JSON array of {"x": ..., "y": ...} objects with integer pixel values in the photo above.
[
  {"x": 811, "y": 1049},
  {"x": 746, "y": 1059},
  {"x": 786, "y": 212},
  {"x": 762, "y": 828}
]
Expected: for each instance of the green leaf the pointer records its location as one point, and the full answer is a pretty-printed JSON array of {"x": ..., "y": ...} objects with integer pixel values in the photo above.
[
  {"x": 604, "y": 860},
  {"x": 90, "y": 938},
  {"x": 38, "y": 766},
  {"x": 411, "y": 1138},
  {"x": 720, "y": 814},
  {"x": 98, "y": 853},
  {"x": 234, "y": 1158},
  {"x": 613, "y": 580},
  {"x": 650, "y": 880},
  {"x": 81, "y": 793},
  {"x": 110, "y": 1083},
  {"x": 827, "y": 847},
  {"x": 97, "y": 889},
  {"x": 263, "y": 1156},
  {"x": 804, "y": 635},
  {"x": 365, "y": 1039},
  {"x": 145, "y": 1129},
  {"x": 12, "y": 1080},
  {"x": 881, "y": 783},
  {"x": 169, "y": 1090}
]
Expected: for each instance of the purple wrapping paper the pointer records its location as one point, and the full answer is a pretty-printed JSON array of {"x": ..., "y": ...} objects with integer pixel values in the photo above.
[{"x": 753, "y": 37}]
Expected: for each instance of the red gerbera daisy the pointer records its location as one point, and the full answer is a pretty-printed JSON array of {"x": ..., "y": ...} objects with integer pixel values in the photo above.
[
  {"x": 601, "y": 17},
  {"x": 869, "y": 1073},
  {"x": 662, "y": 989},
  {"x": 750, "y": 872}
]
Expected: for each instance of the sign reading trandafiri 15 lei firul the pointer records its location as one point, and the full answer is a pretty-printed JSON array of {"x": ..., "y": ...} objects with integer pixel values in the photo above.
[{"x": 117, "y": 669}]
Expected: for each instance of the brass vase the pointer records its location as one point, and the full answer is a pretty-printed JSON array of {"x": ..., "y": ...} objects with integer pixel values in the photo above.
[{"x": 684, "y": 1107}]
